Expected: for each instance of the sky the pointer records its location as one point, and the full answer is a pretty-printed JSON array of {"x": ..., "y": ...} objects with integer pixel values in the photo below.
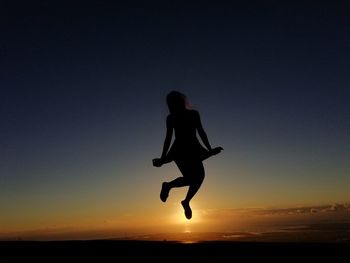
[{"x": 82, "y": 109}]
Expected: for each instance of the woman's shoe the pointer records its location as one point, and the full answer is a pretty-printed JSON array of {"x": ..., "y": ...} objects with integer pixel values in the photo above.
[
  {"x": 164, "y": 193},
  {"x": 187, "y": 208}
]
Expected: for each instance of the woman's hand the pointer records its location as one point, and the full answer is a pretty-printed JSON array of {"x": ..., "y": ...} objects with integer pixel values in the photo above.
[
  {"x": 157, "y": 162},
  {"x": 216, "y": 150},
  {"x": 211, "y": 152}
]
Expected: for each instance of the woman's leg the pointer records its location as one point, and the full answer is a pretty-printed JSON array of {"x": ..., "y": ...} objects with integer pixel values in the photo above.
[
  {"x": 195, "y": 182},
  {"x": 178, "y": 182},
  {"x": 182, "y": 180},
  {"x": 195, "y": 176}
]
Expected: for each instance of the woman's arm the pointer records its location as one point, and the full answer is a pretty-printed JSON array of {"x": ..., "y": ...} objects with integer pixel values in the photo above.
[
  {"x": 204, "y": 138},
  {"x": 168, "y": 137},
  {"x": 158, "y": 162},
  {"x": 202, "y": 134}
]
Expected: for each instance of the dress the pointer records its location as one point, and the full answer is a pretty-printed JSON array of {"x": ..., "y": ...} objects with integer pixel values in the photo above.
[{"x": 186, "y": 146}]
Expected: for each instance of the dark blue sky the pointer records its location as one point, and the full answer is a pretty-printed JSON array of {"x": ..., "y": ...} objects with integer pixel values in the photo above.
[
  {"x": 83, "y": 86},
  {"x": 62, "y": 63}
]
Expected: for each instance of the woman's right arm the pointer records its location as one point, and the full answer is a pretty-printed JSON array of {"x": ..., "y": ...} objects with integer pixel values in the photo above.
[
  {"x": 158, "y": 162},
  {"x": 168, "y": 137}
]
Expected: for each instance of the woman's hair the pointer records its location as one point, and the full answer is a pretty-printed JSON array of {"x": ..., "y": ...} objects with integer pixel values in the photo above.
[{"x": 176, "y": 101}]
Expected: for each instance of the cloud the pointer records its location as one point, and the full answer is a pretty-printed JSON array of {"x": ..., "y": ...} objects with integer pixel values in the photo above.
[
  {"x": 339, "y": 207},
  {"x": 306, "y": 210},
  {"x": 312, "y": 223},
  {"x": 236, "y": 219}
]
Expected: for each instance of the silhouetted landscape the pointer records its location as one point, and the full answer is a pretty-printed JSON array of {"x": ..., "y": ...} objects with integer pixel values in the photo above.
[
  {"x": 159, "y": 250},
  {"x": 329, "y": 241}
]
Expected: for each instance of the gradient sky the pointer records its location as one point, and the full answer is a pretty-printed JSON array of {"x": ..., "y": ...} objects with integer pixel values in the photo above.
[{"x": 82, "y": 108}]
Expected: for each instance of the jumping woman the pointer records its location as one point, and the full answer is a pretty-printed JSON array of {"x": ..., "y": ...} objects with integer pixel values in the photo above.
[{"x": 186, "y": 151}]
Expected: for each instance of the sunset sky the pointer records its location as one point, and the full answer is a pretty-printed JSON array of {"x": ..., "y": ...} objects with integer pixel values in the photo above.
[{"x": 82, "y": 109}]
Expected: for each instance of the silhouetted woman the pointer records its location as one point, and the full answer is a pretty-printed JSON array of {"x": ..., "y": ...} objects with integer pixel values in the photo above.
[{"x": 187, "y": 152}]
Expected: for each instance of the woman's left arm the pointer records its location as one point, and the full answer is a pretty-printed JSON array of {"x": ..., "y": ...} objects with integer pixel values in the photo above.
[{"x": 202, "y": 133}]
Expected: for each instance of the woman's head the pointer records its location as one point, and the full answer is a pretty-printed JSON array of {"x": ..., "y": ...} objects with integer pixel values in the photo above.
[{"x": 176, "y": 101}]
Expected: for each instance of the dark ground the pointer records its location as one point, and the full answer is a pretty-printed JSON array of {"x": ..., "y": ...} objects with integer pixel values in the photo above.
[{"x": 122, "y": 251}]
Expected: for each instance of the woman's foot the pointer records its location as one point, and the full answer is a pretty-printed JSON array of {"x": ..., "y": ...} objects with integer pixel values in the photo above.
[
  {"x": 164, "y": 193},
  {"x": 187, "y": 208}
]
